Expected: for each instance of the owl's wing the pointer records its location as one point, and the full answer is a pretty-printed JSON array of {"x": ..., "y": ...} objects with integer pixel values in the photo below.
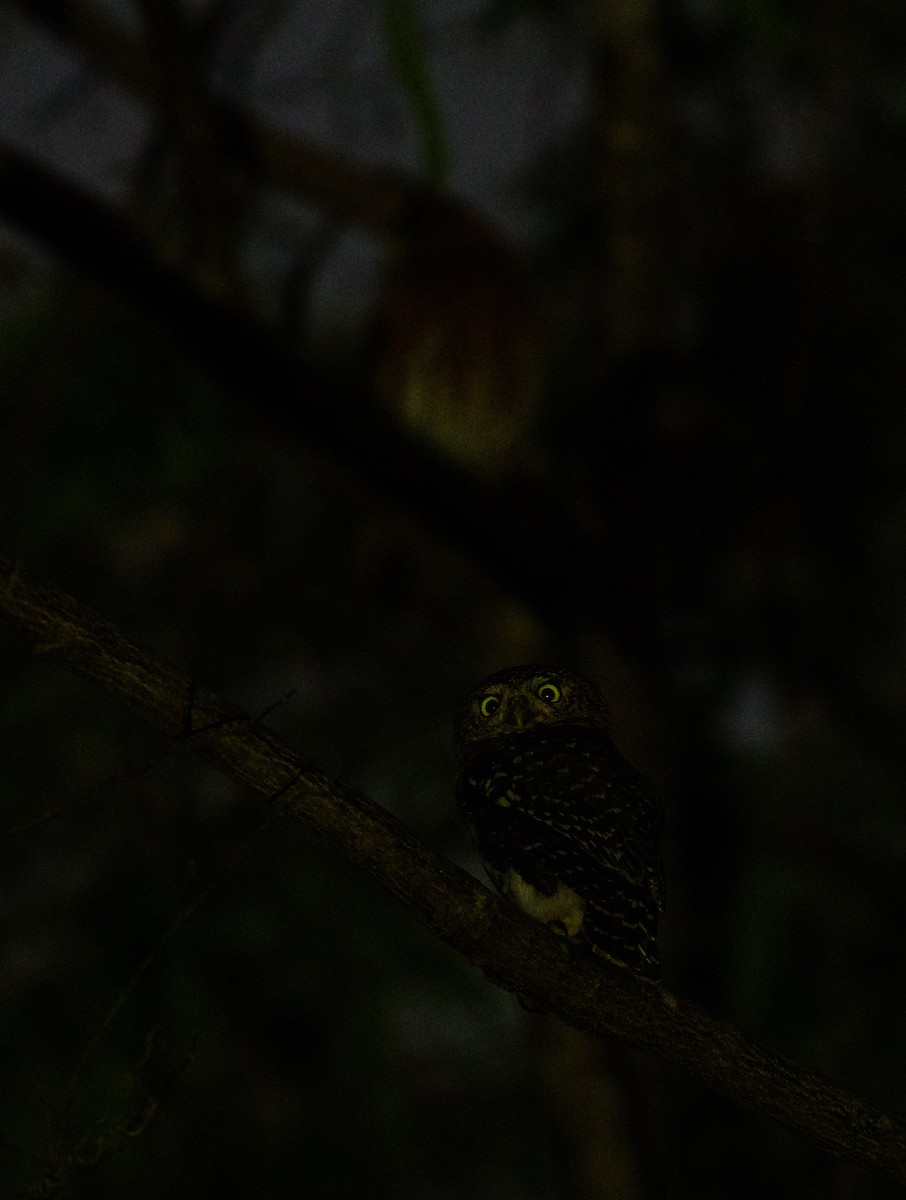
[
  {"x": 620, "y": 894},
  {"x": 588, "y": 821},
  {"x": 586, "y": 847},
  {"x": 617, "y": 826},
  {"x": 576, "y": 807}
]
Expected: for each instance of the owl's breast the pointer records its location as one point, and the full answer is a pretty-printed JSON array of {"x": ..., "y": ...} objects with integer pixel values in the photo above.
[{"x": 542, "y": 767}]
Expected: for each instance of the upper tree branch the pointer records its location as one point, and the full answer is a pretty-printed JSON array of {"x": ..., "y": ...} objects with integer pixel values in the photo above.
[
  {"x": 371, "y": 198},
  {"x": 517, "y": 953},
  {"x": 500, "y": 531}
]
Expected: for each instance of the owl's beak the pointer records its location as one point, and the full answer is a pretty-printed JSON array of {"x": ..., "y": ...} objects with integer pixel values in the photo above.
[{"x": 520, "y": 716}]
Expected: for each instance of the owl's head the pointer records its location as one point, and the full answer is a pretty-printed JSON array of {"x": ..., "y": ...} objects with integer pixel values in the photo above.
[{"x": 520, "y": 698}]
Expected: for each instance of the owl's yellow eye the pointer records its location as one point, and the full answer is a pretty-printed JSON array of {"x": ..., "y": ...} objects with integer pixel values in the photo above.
[
  {"x": 549, "y": 693},
  {"x": 489, "y": 706}
]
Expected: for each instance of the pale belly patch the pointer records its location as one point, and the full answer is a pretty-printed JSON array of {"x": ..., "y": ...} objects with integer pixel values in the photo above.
[{"x": 564, "y": 909}]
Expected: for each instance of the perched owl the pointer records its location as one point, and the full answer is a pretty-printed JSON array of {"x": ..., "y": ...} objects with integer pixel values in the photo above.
[{"x": 563, "y": 825}]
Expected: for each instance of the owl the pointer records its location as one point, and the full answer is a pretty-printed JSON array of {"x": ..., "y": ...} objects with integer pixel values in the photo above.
[{"x": 563, "y": 825}]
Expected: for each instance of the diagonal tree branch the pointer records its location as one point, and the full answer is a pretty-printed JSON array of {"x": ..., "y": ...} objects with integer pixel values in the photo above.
[
  {"x": 370, "y": 197},
  {"x": 500, "y": 530},
  {"x": 515, "y": 952}
]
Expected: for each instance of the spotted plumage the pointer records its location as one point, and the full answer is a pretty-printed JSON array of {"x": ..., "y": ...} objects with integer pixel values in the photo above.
[{"x": 563, "y": 825}]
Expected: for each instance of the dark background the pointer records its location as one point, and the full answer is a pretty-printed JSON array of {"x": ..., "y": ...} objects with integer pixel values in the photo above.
[{"x": 567, "y": 333}]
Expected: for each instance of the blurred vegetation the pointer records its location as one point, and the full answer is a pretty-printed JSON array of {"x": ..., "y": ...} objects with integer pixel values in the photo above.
[{"x": 683, "y": 370}]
